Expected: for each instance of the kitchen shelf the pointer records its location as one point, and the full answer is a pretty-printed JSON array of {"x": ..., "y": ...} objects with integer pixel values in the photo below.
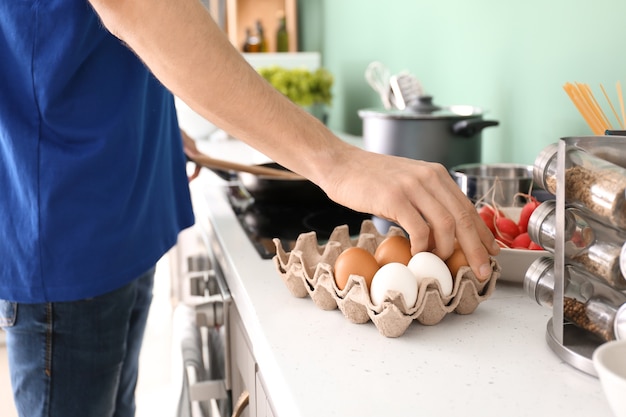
[
  {"x": 288, "y": 60},
  {"x": 242, "y": 14}
]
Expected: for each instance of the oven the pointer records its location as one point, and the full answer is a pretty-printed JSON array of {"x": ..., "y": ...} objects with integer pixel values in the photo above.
[
  {"x": 232, "y": 238},
  {"x": 201, "y": 300}
]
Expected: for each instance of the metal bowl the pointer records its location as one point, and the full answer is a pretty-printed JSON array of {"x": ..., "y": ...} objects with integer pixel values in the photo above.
[{"x": 499, "y": 184}]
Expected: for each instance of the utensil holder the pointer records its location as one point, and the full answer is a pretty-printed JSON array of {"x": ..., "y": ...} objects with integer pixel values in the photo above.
[{"x": 572, "y": 344}]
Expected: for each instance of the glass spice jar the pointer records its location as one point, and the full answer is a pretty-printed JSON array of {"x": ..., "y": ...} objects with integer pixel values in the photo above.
[
  {"x": 587, "y": 303},
  {"x": 589, "y": 244},
  {"x": 596, "y": 184}
]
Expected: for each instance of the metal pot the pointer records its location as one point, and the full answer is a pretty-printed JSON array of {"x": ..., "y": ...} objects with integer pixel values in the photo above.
[
  {"x": 448, "y": 135},
  {"x": 502, "y": 184}
]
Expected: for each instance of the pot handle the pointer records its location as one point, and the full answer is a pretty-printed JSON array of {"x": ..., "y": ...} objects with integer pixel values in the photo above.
[{"x": 470, "y": 127}]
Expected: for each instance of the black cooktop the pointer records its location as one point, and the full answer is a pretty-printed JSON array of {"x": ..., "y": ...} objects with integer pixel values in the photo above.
[{"x": 263, "y": 222}]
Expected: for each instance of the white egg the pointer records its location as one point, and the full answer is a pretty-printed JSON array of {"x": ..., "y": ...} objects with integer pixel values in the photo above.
[
  {"x": 428, "y": 265},
  {"x": 394, "y": 276}
]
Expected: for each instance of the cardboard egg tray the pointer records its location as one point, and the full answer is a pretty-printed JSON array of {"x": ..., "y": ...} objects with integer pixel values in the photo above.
[{"x": 308, "y": 270}]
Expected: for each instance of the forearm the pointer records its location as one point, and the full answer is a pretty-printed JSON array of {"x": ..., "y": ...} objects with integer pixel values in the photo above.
[{"x": 191, "y": 56}]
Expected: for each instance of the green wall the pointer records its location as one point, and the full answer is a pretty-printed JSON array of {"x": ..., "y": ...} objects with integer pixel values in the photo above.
[{"x": 509, "y": 58}]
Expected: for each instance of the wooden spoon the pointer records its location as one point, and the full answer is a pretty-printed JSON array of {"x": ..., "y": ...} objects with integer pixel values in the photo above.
[
  {"x": 213, "y": 163},
  {"x": 219, "y": 164}
]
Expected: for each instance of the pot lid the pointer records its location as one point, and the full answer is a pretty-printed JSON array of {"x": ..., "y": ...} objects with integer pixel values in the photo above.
[{"x": 424, "y": 109}]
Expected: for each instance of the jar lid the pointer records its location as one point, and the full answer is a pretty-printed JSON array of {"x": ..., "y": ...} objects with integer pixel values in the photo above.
[
  {"x": 619, "y": 325},
  {"x": 538, "y": 216},
  {"x": 542, "y": 162},
  {"x": 622, "y": 260},
  {"x": 424, "y": 109},
  {"x": 536, "y": 276}
]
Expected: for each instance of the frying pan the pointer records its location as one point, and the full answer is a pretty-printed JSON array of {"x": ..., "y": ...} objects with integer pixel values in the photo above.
[
  {"x": 279, "y": 190},
  {"x": 268, "y": 183},
  {"x": 263, "y": 184}
]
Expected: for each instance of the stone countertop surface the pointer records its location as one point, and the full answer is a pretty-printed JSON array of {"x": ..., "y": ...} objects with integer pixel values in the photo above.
[{"x": 493, "y": 362}]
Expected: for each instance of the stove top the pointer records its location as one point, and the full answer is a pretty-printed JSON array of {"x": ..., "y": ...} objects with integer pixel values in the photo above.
[{"x": 263, "y": 222}]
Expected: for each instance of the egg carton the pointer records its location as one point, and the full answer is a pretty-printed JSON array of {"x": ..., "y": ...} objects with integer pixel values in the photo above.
[{"x": 308, "y": 270}]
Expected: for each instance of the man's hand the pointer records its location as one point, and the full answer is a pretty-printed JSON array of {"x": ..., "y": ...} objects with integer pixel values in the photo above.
[{"x": 190, "y": 149}]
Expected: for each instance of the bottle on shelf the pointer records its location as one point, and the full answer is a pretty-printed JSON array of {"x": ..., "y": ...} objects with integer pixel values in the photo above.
[
  {"x": 282, "y": 36},
  {"x": 262, "y": 38},
  {"x": 587, "y": 303},
  {"x": 252, "y": 42}
]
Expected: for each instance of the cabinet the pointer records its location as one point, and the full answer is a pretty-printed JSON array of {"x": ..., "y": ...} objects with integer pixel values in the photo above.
[
  {"x": 245, "y": 375},
  {"x": 263, "y": 408}
]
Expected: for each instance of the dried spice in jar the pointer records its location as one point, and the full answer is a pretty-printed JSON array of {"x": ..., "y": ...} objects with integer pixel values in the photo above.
[
  {"x": 587, "y": 303},
  {"x": 594, "y": 316},
  {"x": 594, "y": 183},
  {"x": 589, "y": 244}
]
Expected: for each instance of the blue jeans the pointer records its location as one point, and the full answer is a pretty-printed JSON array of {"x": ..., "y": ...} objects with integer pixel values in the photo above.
[{"x": 77, "y": 358}]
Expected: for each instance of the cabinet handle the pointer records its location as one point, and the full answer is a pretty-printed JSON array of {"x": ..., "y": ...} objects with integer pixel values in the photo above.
[{"x": 242, "y": 403}]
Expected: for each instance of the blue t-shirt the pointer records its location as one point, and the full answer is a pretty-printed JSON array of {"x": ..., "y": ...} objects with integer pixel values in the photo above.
[{"x": 93, "y": 187}]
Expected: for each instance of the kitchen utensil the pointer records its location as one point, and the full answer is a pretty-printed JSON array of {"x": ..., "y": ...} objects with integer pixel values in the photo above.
[
  {"x": 497, "y": 184},
  {"x": 293, "y": 190},
  {"x": 219, "y": 164},
  {"x": 406, "y": 89},
  {"x": 377, "y": 75},
  {"x": 448, "y": 135},
  {"x": 608, "y": 360},
  {"x": 264, "y": 183}
]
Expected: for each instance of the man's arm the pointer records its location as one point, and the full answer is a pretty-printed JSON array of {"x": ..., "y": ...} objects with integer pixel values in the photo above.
[{"x": 190, "y": 55}]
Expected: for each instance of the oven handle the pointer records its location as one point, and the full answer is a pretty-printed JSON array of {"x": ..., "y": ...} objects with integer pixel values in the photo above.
[
  {"x": 212, "y": 313},
  {"x": 198, "y": 391},
  {"x": 226, "y": 298},
  {"x": 207, "y": 390}
]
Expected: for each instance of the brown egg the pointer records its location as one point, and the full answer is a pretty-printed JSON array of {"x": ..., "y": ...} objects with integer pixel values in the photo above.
[
  {"x": 456, "y": 261},
  {"x": 393, "y": 249},
  {"x": 355, "y": 261}
]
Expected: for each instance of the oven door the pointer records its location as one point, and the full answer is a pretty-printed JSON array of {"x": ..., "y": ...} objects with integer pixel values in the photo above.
[{"x": 201, "y": 336}]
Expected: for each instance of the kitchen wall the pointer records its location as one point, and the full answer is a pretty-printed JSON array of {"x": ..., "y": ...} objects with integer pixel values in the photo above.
[{"x": 510, "y": 58}]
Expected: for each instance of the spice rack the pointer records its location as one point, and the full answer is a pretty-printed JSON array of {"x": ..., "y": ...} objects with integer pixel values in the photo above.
[{"x": 570, "y": 342}]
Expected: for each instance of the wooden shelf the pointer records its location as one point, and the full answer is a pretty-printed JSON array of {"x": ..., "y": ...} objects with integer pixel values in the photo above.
[
  {"x": 288, "y": 60},
  {"x": 242, "y": 14}
]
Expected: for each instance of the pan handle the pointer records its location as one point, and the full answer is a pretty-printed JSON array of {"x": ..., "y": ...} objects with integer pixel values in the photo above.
[
  {"x": 470, "y": 127},
  {"x": 220, "y": 164},
  {"x": 222, "y": 173}
]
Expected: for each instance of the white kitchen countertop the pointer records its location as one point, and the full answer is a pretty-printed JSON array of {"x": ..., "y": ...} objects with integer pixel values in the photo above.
[{"x": 494, "y": 362}]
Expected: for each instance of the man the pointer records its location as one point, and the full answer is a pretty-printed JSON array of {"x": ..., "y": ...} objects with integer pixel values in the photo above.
[{"x": 94, "y": 187}]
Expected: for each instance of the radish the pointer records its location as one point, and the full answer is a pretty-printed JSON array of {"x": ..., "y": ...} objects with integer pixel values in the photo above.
[
  {"x": 491, "y": 210},
  {"x": 487, "y": 215},
  {"x": 506, "y": 230},
  {"x": 508, "y": 233},
  {"x": 521, "y": 241},
  {"x": 527, "y": 211}
]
